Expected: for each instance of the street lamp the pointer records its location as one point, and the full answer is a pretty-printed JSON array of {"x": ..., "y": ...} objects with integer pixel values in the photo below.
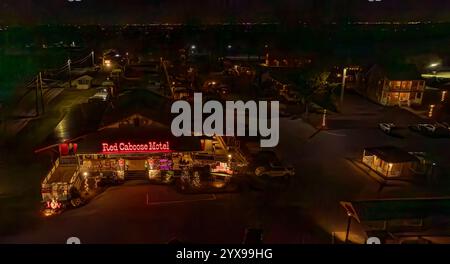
[
  {"x": 349, "y": 222},
  {"x": 434, "y": 64},
  {"x": 324, "y": 118},
  {"x": 344, "y": 75}
]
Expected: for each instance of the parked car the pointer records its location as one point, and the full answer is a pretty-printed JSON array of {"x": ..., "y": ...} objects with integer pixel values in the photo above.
[
  {"x": 274, "y": 170},
  {"x": 386, "y": 127},
  {"x": 102, "y": 96},
  {"x": 431, "y": 130},
  {"x": 423, "y": 128}
]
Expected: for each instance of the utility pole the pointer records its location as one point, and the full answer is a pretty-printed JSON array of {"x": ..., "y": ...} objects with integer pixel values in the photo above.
[
  {"x": 37, "y": 96},
  {"x": 70, "y": 73},
  {"x": 93, "y": 58},
  {"x": 42, "y": 96},
  {"x": 344, "y": 75}
]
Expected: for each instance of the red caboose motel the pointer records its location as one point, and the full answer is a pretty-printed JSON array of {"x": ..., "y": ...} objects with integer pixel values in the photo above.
[{"x": 131, "y": 139}]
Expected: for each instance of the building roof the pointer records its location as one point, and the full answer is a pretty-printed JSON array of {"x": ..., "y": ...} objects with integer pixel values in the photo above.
[
  {"x": 84, "y": 76},
  {"x": 390, "y": 209},
  {"x": 86, "y": 118},
  {"x": 138, "y": 101},
  {"x": 92, "y": 143},
  {"x": 391, "y": 154}
]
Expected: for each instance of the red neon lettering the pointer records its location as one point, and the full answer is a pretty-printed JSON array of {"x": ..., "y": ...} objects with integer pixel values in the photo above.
[{"x": 122, "y": 147}]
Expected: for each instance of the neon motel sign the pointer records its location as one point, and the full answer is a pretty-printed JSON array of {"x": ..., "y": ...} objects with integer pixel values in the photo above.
[{"x": 127, "y": 147}]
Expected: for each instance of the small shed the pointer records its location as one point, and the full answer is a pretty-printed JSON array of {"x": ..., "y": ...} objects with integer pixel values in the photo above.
[
  {"x": 83, "y": 82},
  {"x": 389, "y": 161}
]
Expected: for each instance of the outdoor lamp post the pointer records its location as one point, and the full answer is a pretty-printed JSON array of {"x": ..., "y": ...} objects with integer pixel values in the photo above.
[
  {"x": 70, "y": 72},
  {"x": 324, "y": 118},
  {"x": 344, "y": 75},
  {"x": 349, "y": 222}
]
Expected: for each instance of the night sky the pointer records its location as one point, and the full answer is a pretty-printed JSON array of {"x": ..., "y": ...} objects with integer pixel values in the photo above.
[{"x": 216, "y": 11}]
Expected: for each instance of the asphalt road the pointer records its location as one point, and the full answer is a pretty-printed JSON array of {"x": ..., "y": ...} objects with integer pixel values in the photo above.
[
  {"x": 142, "y": 213},
  {"x": 325, "y": 175}
]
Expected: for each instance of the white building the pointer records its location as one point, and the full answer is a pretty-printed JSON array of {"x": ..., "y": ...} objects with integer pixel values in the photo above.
[{"x": 83, "y": 82}]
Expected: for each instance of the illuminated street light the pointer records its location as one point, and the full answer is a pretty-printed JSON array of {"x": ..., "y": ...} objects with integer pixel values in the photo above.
[
  {"x": 434, "y": 64},
  {"x": 229, "y": 159},
  {"x": 344, "y": 75},
  {"x": 193, "y": 47},
  {"x": 349, "y": 222},
  {"x": 229, "y": 46}
]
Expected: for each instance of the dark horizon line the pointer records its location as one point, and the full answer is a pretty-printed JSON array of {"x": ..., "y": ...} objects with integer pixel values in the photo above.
[{"x": 299, "y": 23}]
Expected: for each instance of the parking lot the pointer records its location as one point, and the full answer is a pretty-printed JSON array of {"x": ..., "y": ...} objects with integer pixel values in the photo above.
[{"x": 324, "y": 173}]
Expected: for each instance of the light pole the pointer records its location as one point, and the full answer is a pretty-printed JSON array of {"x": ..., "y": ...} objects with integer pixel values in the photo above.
[
  {"x": 344, "y": 75},
  {"x": 349, "y": 222},
  {"x": 42, "y": 96},
  {"x": 36, "y": 94},
  {"x": 324, "y": 118},
  {"x": 70, "y": 73},
  {"x": 93, "y": 58}
]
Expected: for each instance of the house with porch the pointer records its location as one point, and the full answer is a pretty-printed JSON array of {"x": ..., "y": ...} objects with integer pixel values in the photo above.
[
  {"x": 393, "y": 84},
  {"x": 390, "y": 162}
]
